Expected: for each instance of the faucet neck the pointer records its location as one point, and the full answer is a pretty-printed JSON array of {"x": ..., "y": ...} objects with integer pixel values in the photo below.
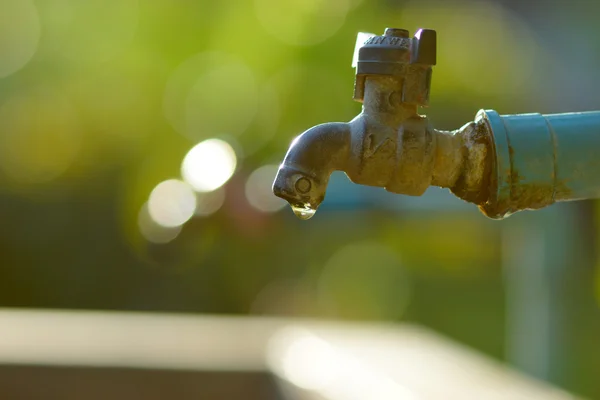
[{"x": 320, "y": 150}]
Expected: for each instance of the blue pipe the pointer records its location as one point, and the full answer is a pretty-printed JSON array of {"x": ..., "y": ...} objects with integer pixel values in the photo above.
[{"x": 542, "y": 159}]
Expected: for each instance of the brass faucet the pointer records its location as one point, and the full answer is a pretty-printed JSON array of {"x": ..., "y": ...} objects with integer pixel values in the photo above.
[
  {"x": 388, "y": 144},
  {"x": 503, "y": 164}
]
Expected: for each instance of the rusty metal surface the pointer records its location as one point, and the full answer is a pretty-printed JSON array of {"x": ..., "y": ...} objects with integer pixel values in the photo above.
[{"x": 474, "y": 162}]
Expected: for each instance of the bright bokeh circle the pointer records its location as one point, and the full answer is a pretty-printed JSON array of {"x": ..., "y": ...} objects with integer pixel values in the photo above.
[
  {"x": 19, "y": 34},
  {"x": 171, "y": 203},
  {"x": 209, "y": 165}
]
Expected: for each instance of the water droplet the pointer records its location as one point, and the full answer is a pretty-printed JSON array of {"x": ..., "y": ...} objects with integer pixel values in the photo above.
[{"x": 304, "y": 212}]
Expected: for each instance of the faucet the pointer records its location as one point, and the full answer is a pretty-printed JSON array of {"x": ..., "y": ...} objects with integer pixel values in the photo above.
[{"x": 500, "y": 163}]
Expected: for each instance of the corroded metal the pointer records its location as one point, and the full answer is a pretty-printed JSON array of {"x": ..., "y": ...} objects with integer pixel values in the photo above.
[{"x": 503, "y": 164}]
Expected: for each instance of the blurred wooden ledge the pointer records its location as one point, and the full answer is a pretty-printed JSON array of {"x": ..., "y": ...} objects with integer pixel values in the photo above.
[{"x": 307, "y": 359}]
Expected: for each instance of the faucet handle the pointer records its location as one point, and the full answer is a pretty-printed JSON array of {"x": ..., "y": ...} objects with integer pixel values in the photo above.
[
  {"x": 396, "y": 54},
  {"x": 424, "y": 47},
  {"x": 417, "y": 83},
  {"x": 361, "y": 38}
]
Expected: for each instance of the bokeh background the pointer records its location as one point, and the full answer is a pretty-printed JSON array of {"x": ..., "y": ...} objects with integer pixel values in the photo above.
[{"x": 139, "y": 140}]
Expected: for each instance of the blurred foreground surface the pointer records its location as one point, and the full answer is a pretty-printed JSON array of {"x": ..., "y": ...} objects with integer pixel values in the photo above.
[
  {"x": 72, "y": 355},
  {"x": 139, "y": 140}
]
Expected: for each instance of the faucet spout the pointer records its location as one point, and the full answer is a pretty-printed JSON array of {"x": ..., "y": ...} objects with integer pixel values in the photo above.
[{"x": 304, "y": 174}]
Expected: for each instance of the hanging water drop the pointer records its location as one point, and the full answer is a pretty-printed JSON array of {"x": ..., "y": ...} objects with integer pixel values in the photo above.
[{"x": 303, "y": 212}]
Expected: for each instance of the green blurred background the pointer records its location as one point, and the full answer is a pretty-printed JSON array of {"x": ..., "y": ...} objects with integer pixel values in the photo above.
[{"x": 102, "y": 101}]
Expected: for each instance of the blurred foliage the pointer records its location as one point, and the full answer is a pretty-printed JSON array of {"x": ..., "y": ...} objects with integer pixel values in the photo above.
[{"x": 101, "y": 100}]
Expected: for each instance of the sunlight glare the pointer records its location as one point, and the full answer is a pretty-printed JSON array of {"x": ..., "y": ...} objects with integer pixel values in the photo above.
[
  {"x": 259, "y": 192},
  {"x": 209, "y": 165},
  {"x": 172, "y": 203}
]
